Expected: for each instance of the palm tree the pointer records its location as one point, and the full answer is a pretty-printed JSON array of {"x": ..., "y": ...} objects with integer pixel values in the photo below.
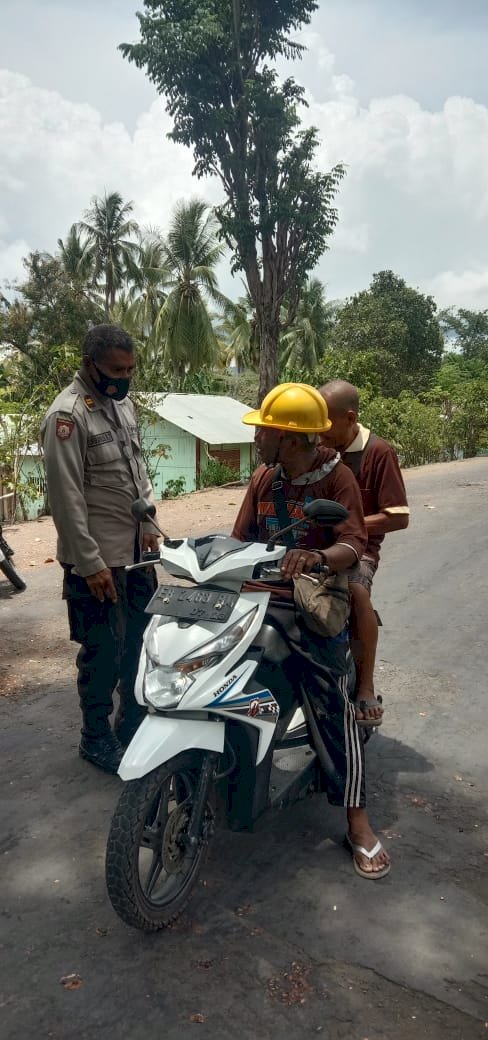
[
  {"x": 303, "y": 345},
  {"x": 108, "y": 228},
  {"x": 76, "y": 257},
  {"x": 147, "y": 293},
  {"x": 192, "y": 252},
  {"x": 238, "y": 334}
]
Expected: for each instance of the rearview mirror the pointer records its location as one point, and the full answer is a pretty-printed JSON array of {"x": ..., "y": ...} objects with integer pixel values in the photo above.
[
  {"x": 323, "y": 511},
  {"x": 141, "y": 509}
]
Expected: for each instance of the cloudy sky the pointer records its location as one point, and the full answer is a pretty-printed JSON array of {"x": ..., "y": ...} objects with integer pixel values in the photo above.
[{"x": 399, "y": 92}]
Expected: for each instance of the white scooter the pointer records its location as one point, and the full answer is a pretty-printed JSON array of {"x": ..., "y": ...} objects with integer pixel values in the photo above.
[{"x": 226, "y": 734}]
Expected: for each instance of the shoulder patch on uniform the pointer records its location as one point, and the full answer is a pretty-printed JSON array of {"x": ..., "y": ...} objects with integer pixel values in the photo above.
[
  {"x": 99, "y": 438},
  {"x": 64, "y": 428}
]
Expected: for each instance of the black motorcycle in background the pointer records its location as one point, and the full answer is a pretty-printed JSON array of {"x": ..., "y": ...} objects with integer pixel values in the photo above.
[{"x": 7, "y": 566}]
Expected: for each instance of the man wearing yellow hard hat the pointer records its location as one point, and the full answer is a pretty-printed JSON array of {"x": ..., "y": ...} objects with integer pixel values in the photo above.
[{"x": 289, "y": 425}]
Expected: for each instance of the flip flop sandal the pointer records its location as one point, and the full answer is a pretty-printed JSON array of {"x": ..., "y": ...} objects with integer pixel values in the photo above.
[
  {"x": 368, "y": 723},
  {"x": 370, "y": 875}
]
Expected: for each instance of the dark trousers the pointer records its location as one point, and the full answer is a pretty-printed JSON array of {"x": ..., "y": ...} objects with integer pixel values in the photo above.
[
  {"x": 110, "y": 635},
  {"x": 319, "y": 666}
]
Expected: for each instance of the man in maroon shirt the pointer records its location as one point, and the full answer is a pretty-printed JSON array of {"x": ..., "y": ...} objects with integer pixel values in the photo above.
[
  {"x": 374, "y": 464},
  {"x": 289, "y": 425}
]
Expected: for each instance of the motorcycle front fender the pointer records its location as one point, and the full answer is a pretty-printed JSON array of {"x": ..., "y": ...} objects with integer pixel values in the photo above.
[{"x": 159, "y": 738}]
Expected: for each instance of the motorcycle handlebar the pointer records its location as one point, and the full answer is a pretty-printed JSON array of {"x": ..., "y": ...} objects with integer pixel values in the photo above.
[{"x": 262, "y": 571}]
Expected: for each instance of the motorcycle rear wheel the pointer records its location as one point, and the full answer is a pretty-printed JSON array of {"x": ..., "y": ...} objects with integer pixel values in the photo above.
[
  {"x": 13, "y": 576},
  {"x": 151, "y": 871}
]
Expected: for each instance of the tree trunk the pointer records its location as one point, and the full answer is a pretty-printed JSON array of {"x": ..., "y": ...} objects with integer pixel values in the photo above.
[{"x": 269, "y": 336}]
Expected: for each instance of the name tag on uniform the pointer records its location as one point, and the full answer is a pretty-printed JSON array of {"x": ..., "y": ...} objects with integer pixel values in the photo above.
[{"x": 99, "y": 438}]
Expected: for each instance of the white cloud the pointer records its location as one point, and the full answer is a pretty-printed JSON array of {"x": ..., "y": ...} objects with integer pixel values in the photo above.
[
  {"x": 471, "y": 287},
  {"x": 11, "y": 255},
  {"x": 415, "y": 198},
  {"x": 56, "y": 154}
]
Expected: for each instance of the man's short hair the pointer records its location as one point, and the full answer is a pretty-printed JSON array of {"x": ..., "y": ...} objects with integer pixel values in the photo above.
[
  {"x": 344, "y": 396},
  {"x": 101, "y": 339}
]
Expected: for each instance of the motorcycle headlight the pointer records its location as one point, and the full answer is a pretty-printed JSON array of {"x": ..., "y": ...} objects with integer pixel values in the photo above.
[{"x": 165, "y": 686}]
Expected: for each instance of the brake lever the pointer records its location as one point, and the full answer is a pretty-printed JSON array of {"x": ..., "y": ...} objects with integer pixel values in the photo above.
[{"x": 143, "y": 564}]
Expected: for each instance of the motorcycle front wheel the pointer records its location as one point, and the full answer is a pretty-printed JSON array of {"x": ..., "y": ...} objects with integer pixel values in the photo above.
[
  {"x": 151, "y": 870},
  {"x": 9, "y": 570}
]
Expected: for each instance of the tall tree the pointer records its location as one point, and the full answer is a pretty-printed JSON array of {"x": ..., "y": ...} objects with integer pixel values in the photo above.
[
  {"x": 467, "y": 331},
  {"x": 398, "y": 321},
  {"x": 213, "y": 62},
  {"x": 108, "y": 227},
  {"x": 192, "y": 252}
]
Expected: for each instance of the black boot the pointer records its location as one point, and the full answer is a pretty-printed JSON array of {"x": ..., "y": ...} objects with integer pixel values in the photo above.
[{"x": 103, "y": 751}]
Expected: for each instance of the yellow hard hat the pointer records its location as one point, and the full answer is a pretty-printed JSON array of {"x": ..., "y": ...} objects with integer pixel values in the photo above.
[{"x": 292, "y": 406}]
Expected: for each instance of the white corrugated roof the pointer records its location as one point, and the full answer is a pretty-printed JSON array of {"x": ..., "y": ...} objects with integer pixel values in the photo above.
[{"x": 216, "y": 420}]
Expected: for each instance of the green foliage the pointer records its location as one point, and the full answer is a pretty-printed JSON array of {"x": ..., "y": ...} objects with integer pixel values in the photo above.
[
  {"x": 374, "y": 370},
  {"x": 212, "y": 63},
  {"x": 469, "y": 417},
  {"x": 414, "y": 428},
  {"x": 33, "y": 380},
  {"x": 175, "y": 487},
  {"x": 456, "y": 369},
  {"x": 244, "y": 388},
  {"x": 18, "y": 429},
  {"x": 216, "y": 474},
  {"x": 205, "y": 381},
  {"x": 50, "y": 308},
  {"x": 400, "y": 324}
]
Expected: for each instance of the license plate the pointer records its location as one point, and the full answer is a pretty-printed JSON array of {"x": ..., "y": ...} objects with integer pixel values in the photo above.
[{"x": 192, "y": 604}]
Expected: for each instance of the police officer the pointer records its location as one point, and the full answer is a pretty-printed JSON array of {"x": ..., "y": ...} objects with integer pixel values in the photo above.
[{"x": 95, "y": 471}]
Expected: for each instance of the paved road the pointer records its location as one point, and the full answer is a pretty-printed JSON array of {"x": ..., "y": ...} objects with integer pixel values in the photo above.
[{"x": 281, "y": 917}]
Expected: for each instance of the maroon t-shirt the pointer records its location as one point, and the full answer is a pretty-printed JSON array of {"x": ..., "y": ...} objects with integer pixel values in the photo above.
[{"x": 381, "y": 485}]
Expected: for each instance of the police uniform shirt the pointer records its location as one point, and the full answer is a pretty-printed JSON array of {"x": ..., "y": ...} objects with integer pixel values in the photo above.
[{"x": 94, "y": 471}]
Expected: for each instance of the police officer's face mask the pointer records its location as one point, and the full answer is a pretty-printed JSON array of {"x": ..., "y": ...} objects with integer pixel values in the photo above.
[{"x": 109, "y": 386}]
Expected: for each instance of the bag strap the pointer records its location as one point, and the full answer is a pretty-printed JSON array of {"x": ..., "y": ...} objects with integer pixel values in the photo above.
[
  {"x": 281, "y": 508},
  {"x": 354, "y": 459}
]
